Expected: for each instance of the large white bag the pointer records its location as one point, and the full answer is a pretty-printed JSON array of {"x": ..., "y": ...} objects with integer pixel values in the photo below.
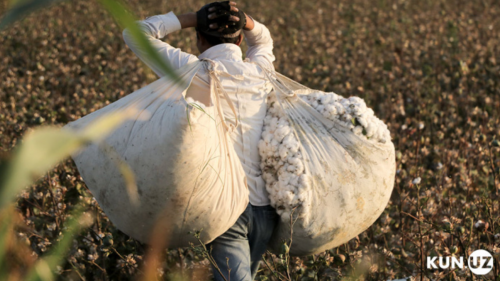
[
  {"x": 188, "y": 175},
  {"x": 324, "y": 176}
]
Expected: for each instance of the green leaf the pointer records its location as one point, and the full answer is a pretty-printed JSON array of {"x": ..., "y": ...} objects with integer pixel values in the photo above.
[
  {"x": 39, "y": 151},
  {"x": 43, "y": 148},
  {"x": 125, "y": 19},
  {"x": 20, "y": 9}
]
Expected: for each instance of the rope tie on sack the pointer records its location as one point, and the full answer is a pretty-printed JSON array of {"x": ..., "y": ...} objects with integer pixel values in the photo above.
[{"x": 216, "y": 88}]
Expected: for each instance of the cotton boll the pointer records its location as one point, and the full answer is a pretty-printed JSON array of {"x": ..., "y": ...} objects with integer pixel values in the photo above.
[
  {"x": 302, "y": 195},
  {"x": 282, "y": 195},
  {"x": 345, "y": 103},
  {"x": 289, "y": 196},
  {"x": 288, "y": 139},
  {"x": 326, "y": 99},
  {"x": 285, "y": 216},
  {"x": 274, "y": 123},
  {"x": 275, "y": 152},
  {"x": 271, "y": 162},
  {"x": 370, "y": 130},
  {"x": 376, "y": 132},
  {"x": 357, "y": 100},
  {"x": 357, "y": 108},
  {"x": 314, "y": 104},
  {"x": 281, "y": 132},
  {"x": 270, "y": 190},
  {"x": 298, "y": 155},
  {"x": 294, "y": 180},
  {"x": 299, "y": 168},
  {"x": 362, "y": 121},
  {"x": 283, "y": 183},
  {"x": 331, "y": 109},
  {"x": 291, "y": 143},
  {"x": 291, "y": 168},
  {"x": 268, "y": 137},
  {"x": 268, "y": 177},
  {"x": 271, "y": 155},
  {"x": 263, "y": 147},
  {"x": 335, "y": 97},
  {"x": 276, "y": 110},
  {"x": 308, "y": 98},
  {"x": 326, "y": 114},
  {"x": 294, "y": 202},
  {"x": 369, "y": 113},
  {"x": 387, "y": 135},
  {"x": 282, "y": 170},
  {"x": 292, "y": 160},
  {"x": 347, "y": 117},
  {"x": 340, "y": 108},
  {"x": 273, "y": 111},
  {"x": 283, "y": 151},
  {"x": 358, "y": 130},
  {"x": 361, "y": 106},
  {"x": 267, "y": 119},
  {"x": 315, "y": 95},
  {"x": 294, "y": 148},
  {"x": 272, "y": 202},
  {"x": 320, "y": 108},
  {"x": 304, "y": 182},
  {"x": 274, "y": 144},
  {"x": 283, "y": 121}
]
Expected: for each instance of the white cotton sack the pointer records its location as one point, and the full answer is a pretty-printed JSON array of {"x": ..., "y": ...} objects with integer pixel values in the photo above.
[
  {"x": 188, "y": 175},
  {"x": 336, "y": 169}
]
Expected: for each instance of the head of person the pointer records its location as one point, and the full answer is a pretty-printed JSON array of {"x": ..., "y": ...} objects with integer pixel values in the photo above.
[
  {"x": 205, "y": 41},
  {"x": 219, "y": 23}
]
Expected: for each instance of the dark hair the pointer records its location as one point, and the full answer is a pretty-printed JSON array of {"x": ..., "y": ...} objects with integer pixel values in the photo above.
[{"x": 214, "y": 40}]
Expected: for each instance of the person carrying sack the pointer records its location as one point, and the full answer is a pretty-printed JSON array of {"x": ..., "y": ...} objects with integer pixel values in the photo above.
[{"x": 220, "y": 27}]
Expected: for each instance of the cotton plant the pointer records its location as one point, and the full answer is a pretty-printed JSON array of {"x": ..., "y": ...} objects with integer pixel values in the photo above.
[{"x": 281, "y": 160}]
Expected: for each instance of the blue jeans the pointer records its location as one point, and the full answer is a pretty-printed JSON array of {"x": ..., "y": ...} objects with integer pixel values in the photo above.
[{"x": 242, "y": 246}]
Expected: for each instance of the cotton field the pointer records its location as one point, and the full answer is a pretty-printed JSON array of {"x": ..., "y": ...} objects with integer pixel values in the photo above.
[{"x": 427, "y": 75}]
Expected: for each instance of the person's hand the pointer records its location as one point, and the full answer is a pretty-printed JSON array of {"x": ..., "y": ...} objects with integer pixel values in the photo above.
[
  {"x": 220, "y": 18},
  {"x": 217, "y": 12},
  {"x": 249, "y": 24}
]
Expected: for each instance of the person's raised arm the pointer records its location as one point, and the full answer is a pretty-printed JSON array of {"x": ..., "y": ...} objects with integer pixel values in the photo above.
[
  {"x": 260, "y": 43},
  {"x": 156, "y": 28}
]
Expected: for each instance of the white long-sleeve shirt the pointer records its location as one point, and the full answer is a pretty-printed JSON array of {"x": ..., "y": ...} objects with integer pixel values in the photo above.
[{"x": 248, "y": 95}]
